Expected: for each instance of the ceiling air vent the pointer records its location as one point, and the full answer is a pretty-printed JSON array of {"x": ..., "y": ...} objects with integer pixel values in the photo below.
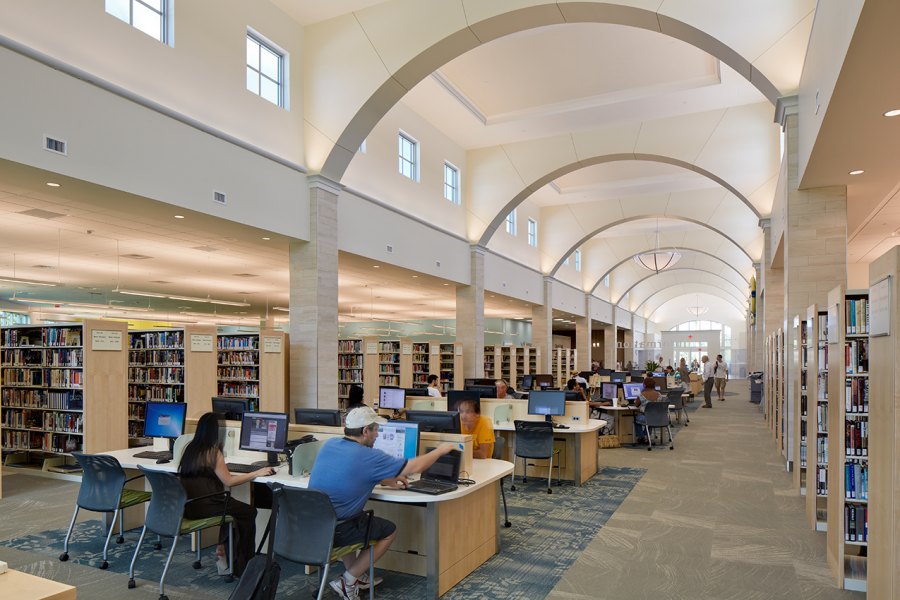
[
  {"x": 55, "y": 145},
  {"x": 41, "y": 214},
  {"x": 133, "y": 256},
  {"x": 245, "y": 275},
  {"x": 205, "y": 248},
  {"x": 390, "y": 248},
  {"x": 219, "y": 197}
]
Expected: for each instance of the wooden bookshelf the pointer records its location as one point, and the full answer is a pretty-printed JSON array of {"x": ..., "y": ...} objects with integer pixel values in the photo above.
[
  {"x": 508, "y": 365},
  {"x": 420, "y": 362},
  {"x": 491, "y": 362},
  {"x": 60, "y": 390},
  {"x": 848, "y": 386},
  {"x": 450, "y": 367},
  {"x": 817, "y": 421},
  {"x": 274, "y": 371},
  {"x": 801, "y": 409},
  {"x": 253, "y": 366},
  {"x": 351, "y": 361}
]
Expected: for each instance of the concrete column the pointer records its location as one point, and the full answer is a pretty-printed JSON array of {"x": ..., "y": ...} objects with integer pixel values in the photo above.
[
  {"x": 628, "y": 353},
  {"x": 583, "y": 336},
  {"x": 470, "y": 315},
  {"x": 542, "y": 328},
  {"x": 756, "y": 348},
  {"x": 773, "y": 286},
  {"x": 313, "y": 269},
  {"x": 610, "y": 337}
]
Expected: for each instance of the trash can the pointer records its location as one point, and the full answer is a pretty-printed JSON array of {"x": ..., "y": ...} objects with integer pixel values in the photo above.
[{"x": 756, "y": 387}]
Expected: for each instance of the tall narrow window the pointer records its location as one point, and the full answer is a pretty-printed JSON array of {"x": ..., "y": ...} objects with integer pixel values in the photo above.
[
  {"x": 511, "y": 222},
  {"x": 532, "y": 233},
  {"x": 149, "y": 16},
  {"x": 265, "y": 70},
  {"x": 409, "y": 157},
  {"x": 578, "y": 260},
  {"x": 451, "y": 183},
  {"x": 606, "y": 280}
]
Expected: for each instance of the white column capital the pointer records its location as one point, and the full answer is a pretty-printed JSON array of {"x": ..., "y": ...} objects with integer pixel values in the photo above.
[
  {"x": 320, "y": 182},
  {"x": 786, "y": 106}
]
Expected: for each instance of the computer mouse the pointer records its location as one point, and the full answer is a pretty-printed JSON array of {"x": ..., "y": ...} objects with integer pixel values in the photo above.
[{"x": 162, "y": 461}]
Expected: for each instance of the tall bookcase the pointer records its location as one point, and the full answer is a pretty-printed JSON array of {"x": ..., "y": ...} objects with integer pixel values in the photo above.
[
  {"x": 60, "y": 390},
  {"x": 386, "y": 362},
  {"x": 508, "y": 364},
  {"x": 491, "y": 362},
  {"x": 253, "y": 366},
  {"x": 450, "y": 367},
  {"x": 350, "y": 367},
  {"x": 564, "y": 361},
  {"x": 817, "y": 419},
  {"x": 801, "y": 404},
  {"x": 848, "y": 422},
  {"x": 421, "y": 364}
]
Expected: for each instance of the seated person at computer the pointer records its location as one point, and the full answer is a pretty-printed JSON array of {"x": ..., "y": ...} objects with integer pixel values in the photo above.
[
  {"x": 648, "y": 394},
  {"x": 504, "y": 391},
  {"x": 479, "y": 427},
  {"x": 434, "y": 386},
  {"x": 355, "y": 397},
  {"x": 347, "y": 469},
  {"x": 202, "y": 471},
  {"x": 573, "y": 385}
]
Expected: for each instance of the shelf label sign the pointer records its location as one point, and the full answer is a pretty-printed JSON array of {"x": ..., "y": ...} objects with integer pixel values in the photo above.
[
  {"x": 106, "y": 339},
  {"x": 459, "y": 350},
  {"x": 272, "y": 344},
  {"x": 201, "y": 342},
  {"x": 407, "y": 348},
  {"x": 371, "y": 348},
  {"x": 435, "y": 349},
  {"x": 880, "y": 308}
]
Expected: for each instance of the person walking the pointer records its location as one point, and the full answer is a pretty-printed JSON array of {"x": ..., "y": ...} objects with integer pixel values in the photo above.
[
  {"x": 720, "y": 372},
  {"x": 708, "y": 381}
]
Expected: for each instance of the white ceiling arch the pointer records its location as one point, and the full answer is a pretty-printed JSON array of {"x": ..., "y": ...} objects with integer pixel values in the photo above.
[
  {"x": 652, "y": 303},
  {"x": 630, "y": 275},
  {"x": 386, "y": 49},
  {"x": 635, "y": 295},
  {"x": 676, "y": 306}
]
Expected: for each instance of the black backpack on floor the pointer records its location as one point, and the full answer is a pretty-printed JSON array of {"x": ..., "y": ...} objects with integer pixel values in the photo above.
[{"x": 260, "y": 578}]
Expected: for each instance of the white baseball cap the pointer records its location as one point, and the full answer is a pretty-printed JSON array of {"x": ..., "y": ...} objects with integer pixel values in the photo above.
[{"x": 362, "y": 416}]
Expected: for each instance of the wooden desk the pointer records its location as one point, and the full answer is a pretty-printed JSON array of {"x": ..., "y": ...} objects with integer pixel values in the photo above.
[
  {"x": 22, "y": 586},
  {"x": 578, "y": 449}
]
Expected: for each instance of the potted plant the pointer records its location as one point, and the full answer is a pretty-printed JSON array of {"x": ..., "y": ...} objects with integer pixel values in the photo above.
[{"x": 652, "y": 366}]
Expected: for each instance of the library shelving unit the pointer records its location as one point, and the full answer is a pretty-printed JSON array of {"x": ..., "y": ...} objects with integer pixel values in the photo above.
[
  {"x": 507, "y": 364},
  {"x": 421, "y": 364},
  {"x": 817, "y": 419},
  {"x": 520, "y": 366},
  {"x": 350, "y": 367},
  {"x": 389, "y": 363},
  {"x": 450, "y": 367},
  {"x": 386, "y": 362},
  {"x": 848, "y": 422},
  {"x": 564, "y": 361},
  {"x": 60, "y": 390},
  {"x": 254, "y": 366},
  {"x": 801, "y": 406},
  {"x": 491, "y": 361},
  {"x": 532, "y": 357}
]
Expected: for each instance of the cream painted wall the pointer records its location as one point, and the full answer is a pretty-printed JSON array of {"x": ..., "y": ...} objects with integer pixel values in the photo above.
[
  {"x": 569, "y": 299},
  {"x": 602, "y": 311},
  {"x": 507, "y": 277},
  {"x": 857, "y": 276},
  {"x": 202, "y": 75},
  {"x": 517, "y": 245}
]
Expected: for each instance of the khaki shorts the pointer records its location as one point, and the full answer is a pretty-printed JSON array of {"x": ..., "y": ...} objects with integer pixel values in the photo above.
[{"x": 720, "y": 383}]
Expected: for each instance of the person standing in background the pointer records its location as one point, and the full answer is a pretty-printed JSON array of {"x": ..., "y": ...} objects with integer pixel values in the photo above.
[
  {"x": 720, "y": 371},
  {"x": 708, "y": 380}
]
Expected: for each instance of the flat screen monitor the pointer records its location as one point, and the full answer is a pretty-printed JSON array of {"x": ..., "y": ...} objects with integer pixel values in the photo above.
[
  {"x": 658, "y": 374},
  {"x": 483, "y": 391},
  {"x": 419, "y": 391},
  {"x": 609, "y": 391},
  {"x": 573, "y": 396},
  {"x": 328, "y": 417},
  {"x": 527, "y": 382},
  {"x": 617, "y": 377},
  {"x": 437, "y": 421},
  {"x": 230, "y": 408},
  {"x": 264, "y": 432},
  {"x": 400, "y": 439},
  {"x": 165, "y": 419},
  {"x": 478, "y": 381},
  {"x": 454, "y": 397},
  {"x": 638, "y": 373},
  {"x": 391, "y": 397},
  {"x": 543, "y": 381},
  {"x": 632, "y": 390},
  {"x": 660, "y": 382},
  {"x": 547, "y": 403}
]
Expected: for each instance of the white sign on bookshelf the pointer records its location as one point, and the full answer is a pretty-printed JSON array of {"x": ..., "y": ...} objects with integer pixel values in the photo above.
[
  {"x": 106, "y": 339},
  {"x": 407, "y": 348},
  {"x": 272, "y": 344},
  {"x": 435, "y": 349},
  {"x": 201, "y": 342},
  {"x": 371, "y": 348},
  {"x": 459, "y": 350},
  {"x": 880, "y": 308}
]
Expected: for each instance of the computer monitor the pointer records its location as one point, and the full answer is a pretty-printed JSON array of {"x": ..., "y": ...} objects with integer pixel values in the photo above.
[
  {"x": 328, "y": 417},
  {"x": 573, "y": 396},
  {"x": 230, "y": 408},
  {"x": 400, "y": 439},
  {"x": 264, "y": 432},
  {"x": 454, "y": 397},
  {"x": 632, "y": 390},
  {"x": 547, "y": 403},
  {"x": 543, "y": 381},
  {"x": 609, "y": 391},
  {"x": 527, "y": 382},
  {"x": 617, "y": 377},
  {"x": 660, "y": 382},
  {"x": 419, "y": 391},
  {"x": 164, "y": 419},
  {"x": 478, "y": 381},
  {"x": 658, "y": 374},
  {"x": 638, "y": 373},
  {"x": 391, "y": 397},
  {"x": 437, "y": 421},
  {"x": 483, "y": 391}
]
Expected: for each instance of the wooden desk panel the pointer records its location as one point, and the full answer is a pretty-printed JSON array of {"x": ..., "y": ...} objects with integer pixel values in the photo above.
[{"x": 18, "y": 585}]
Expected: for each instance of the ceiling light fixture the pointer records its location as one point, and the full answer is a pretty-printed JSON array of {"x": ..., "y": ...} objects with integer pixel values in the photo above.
[
  {"x": 659, "y": 259},
  {"x": 206, "y": 300},
  {"x": 698, "y": 309},
  {"x": 52, "y": 184},
  {"x": 267, "y": 238},
  {"x": 857, "y": 172},
  {"x": 281, "y": 308},
  {"x": 27, "y": 281},
  {"x": 179, "y": 216},
  {"x": 892, "y": 113},
  {"x": 137, "y": 293}
]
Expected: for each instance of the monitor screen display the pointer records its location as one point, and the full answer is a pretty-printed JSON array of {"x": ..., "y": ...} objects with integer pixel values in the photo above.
[
  {"x": 400, "y": 439},
  {"x": 573, "y": 396},
  {"x": 527, "y": 382},
  {"x": 659, "y": 382},
  {"x": 483, "y": 391},
  {"x": 454, "y": 397},
  {"x": 264, "y": 431},
  {"x": 609, "y": 391},
  {"x": 420, "y": 391},
  {"x": 658, "y": 373},
  {"x": 543, "y": 380},
  {"x": 394, "y": 398},
  {"x": 165, "y": 419},
  {"x": 617, "y": 377},
  {"x": 632, "y": 390},
  {"x": 435, "y": 420},
  {"x": 546, "y": 402},
  {"x": 328, "y": 417},
  {"x": 230, "y": 408}
]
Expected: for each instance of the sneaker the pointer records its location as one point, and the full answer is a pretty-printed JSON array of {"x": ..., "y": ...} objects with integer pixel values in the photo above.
[
  {"x": 343, "y": 590},
  {"x": 362, "y": 581}
]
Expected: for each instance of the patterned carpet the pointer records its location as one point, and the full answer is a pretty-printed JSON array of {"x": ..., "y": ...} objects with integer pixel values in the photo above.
[{"x": 548, "y": 534}]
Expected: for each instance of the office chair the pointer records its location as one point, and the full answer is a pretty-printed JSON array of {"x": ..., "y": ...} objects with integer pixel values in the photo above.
[
  {"x": 304, "y": 532},
  {"x": 534, "y": 439},
  {"x": 165, "y": 517},
  {"x": 657, "y": 415},
  {"x": 499, "y": 443},
  {"x": 103, "y": 490},
  {"x": 675, "y": 399},
  {"x": 502, "y": 414}
]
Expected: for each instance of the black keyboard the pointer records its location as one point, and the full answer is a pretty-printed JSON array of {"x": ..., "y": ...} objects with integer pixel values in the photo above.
[
  {"x": 560, "y": 426},
  {"x": 162, "y": 454},
  {"x": 428, "y": 486},
  {"x": 240, "y": 468}
]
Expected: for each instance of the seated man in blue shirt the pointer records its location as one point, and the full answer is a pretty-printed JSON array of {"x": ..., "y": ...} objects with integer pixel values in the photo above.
[{"x": 347, "y": 469}]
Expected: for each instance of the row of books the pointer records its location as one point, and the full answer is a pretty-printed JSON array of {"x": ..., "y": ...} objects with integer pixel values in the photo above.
[
  {"x": 50, "y": 377},
  {"x": 856, "y": 481},
  {"x": 822, "y": 450},
  {"x": 157, "y": 339},
  {"x": 238, "y": 390},
  {"x": 48, "y": 442},
  {"x": 389, "y": 346},
  {"x": 136, "y": 410},
  {"x": 344, "y": 388},
  {"x": 24, "y": 337},
  {"x": 238, "y": 357},
  {"x": 823, "y": 386},
  {"x": 856, "y": 398},
  {"x": 23, "y": 376},
  {"x": 856, "y": 356},
  {"x": 389, "y": 358},
  {"x": 347, "y": 361},
  {"x": 856, "y": 523},
  {"x": 856, "y": 438},
  {"x": 23, "y": 357},
  {"x": 245, "y": 373},
  {"x": 238, "y": 342},
  {"x": 350, "y": 346},
  {"x": 169, "y": 358},
  {"x": 822, "y": 416},
  {"x": 803, "y": 455},
  {"x": 350, "y": 375},
  {"x": 857, "y": 316},
  {"x": 64, "y": 357},
  {"x": 143, "y": 393},
  {"x": 389, "y": 380},
  {"x": 68, "y": 422},
  {"x": 389, "y": 369},
  {"x": 155, "y": 374},
  {"x": 821, "y": 481}
]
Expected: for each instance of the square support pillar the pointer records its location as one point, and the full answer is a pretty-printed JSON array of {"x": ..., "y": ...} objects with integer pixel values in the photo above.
[
  {"x": 470, "y": 316},
  {"x": 542, "y": 328}
]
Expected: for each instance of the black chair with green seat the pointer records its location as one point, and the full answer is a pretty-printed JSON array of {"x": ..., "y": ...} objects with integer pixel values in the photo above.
[
  {"x": 657, "y": 416},
  {"x": 534, "y": 439},
  {"x": 304, "y": 533},
  {"x": 103, "y": 490},
  {"x": 165, "y": 517},
  {"x": 499, "y": 443}
]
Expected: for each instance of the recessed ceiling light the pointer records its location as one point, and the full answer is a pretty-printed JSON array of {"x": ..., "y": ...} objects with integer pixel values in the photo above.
[
  {"x": 267, "y": 238},
  {"x": 376, "y": 266},
  {"x": 893, "y": 113},
  {"x": 857, "y": 172},
  {"x": 446, "y": 284},
  {"x": 52, "y": 184},
  {"x": 179, "y": 216},
  {"x": 415, "y": 276}
]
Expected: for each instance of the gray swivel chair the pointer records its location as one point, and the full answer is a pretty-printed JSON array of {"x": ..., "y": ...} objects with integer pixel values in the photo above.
[
  {"x": 675, "y": 399},
  {"x": 657, "y": 415},
  {"x": 103, "y": 490},
  {"x": 499, "y": 444},
  {"x": 304, "y": 533},
  {"x": 165, "y": 517},
  {"x": 534, "y": 439}
]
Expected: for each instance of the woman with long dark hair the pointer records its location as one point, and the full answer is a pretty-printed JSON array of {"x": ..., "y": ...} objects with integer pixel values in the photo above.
[{"x": 203, "y": 471}]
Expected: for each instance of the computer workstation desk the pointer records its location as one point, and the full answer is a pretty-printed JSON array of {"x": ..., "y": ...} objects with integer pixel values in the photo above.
[{"x": 442, "y": 538}]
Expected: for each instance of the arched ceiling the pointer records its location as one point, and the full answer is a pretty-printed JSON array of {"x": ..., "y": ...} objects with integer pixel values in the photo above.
[
  {"x": 629, "y": 275},
  {"x": 674, "y": 306},
  {"x": 637, "y": 295}
]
